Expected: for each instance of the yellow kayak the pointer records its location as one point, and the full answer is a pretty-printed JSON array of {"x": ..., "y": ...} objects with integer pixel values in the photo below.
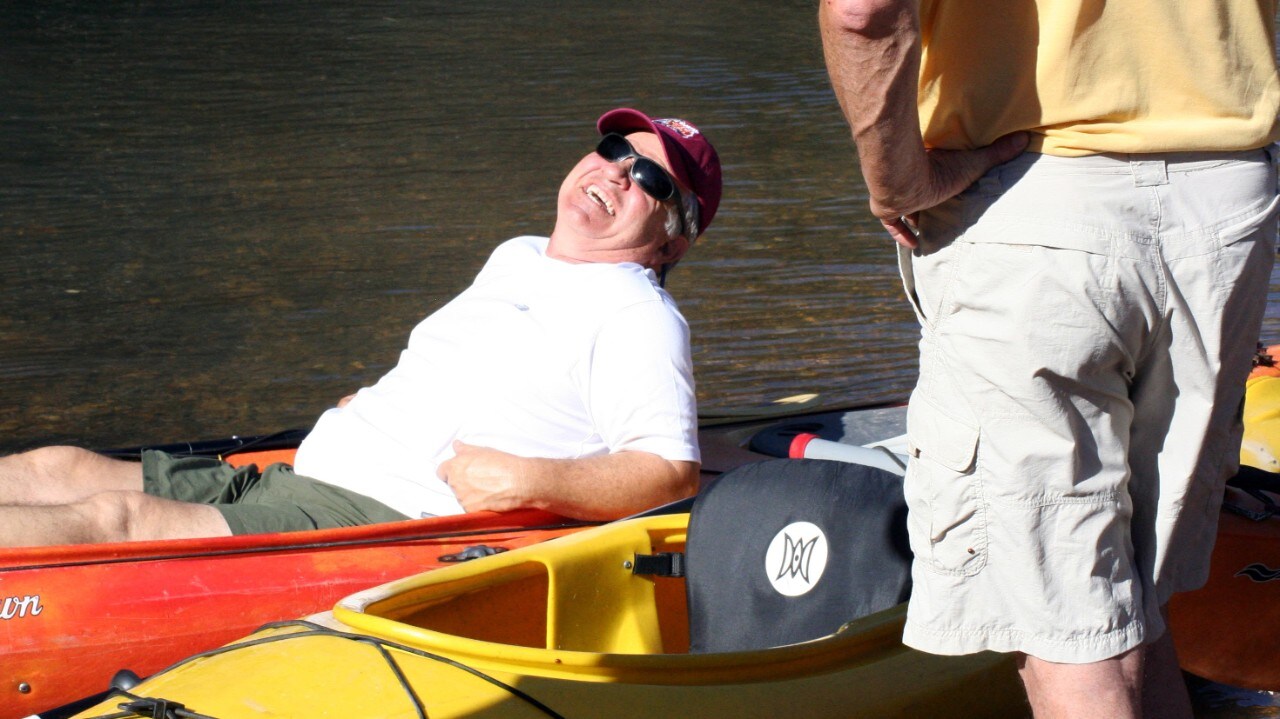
[
  {"x": 601, "y": 624},
  {"x": 1261, "y": 423}
]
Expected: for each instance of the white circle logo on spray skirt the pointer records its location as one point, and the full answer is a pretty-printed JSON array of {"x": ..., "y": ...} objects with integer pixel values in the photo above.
[{"x": 796, "y": 558}]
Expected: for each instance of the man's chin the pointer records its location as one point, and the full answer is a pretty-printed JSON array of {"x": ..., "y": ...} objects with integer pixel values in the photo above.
[{"x": 587, "y": 223}]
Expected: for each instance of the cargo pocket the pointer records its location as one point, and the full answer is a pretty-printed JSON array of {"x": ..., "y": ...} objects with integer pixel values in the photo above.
[{"x": 944, "y": 492}]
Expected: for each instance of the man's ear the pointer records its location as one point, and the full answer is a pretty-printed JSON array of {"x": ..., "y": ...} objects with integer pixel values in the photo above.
[{"x": 672, "y": 250}]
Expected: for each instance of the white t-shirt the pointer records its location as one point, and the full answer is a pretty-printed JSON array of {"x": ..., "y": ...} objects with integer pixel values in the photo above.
[{"x": 538, "y": 358}]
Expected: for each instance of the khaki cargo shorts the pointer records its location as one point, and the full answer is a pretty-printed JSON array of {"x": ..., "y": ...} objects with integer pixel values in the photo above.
[
  {"x": 1087, "y": 326},
  {"x": 253, "y": 502}
]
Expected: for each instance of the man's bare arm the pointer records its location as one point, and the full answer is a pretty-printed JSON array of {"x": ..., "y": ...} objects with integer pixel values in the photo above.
[
  {"x": 872, "y": 50},
  {"x": 601, "y": 487}
]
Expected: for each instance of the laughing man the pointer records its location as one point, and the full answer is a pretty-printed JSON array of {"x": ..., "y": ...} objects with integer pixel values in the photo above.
[{"x": 560, "y": 380}]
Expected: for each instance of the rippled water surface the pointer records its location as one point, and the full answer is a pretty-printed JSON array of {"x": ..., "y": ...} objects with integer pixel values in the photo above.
[{"x": 218, "y": 218}]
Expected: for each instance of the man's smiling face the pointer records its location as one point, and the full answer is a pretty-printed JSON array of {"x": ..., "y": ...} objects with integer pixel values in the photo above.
[{"x": 604, "y": 216}]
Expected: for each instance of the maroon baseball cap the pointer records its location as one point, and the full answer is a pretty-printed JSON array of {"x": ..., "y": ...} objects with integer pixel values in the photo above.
[{"x": 693, "y": 160}]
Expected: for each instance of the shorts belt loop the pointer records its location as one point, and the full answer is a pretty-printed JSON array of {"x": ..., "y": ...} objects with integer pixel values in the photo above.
[{"x": 1149, "y": 173}]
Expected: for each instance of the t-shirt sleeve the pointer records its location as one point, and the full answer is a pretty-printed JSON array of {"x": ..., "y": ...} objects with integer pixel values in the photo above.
[{"x": 640, "y": 388}]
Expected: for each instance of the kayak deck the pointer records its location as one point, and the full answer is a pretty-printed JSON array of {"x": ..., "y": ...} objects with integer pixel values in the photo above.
[{"x": 565, "y": 628}]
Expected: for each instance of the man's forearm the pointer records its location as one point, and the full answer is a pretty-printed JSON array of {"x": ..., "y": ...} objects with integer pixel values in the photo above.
[
  {"x": 601, "y": 487},
  {"x": 608, "y": 486},
  {"x": 872, "y": 50}
]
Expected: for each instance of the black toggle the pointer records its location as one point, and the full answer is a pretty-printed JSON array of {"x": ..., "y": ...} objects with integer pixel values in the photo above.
[
  {"x": 155, "y": 708},
  {"x": 662, "y": 564}
]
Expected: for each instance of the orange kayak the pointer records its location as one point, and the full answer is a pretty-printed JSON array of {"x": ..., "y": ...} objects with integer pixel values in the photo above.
[{"x": 1229, "y": 630}]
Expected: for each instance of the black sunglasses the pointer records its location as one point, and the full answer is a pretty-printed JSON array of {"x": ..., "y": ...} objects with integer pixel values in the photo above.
[{"x": 649, "y": 175}]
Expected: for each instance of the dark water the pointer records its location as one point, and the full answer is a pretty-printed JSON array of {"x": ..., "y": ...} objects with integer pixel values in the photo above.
[{"x": 220, "y": 217}]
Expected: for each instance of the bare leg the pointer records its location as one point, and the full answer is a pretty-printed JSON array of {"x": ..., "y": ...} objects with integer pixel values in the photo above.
[
  {"x": 108, "y": 517},
  {"x": 1143, "y": 682},
  {"x": 1164, "y": 689},
  {"x": 1109, "y": 689},
  {"x": 61, "y": 475}
]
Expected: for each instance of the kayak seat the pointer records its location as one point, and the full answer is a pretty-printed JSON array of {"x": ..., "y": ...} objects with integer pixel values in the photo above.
[{"x": 788, "y": 550}]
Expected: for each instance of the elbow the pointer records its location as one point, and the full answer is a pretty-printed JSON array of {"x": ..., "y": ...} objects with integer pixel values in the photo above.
[
  {"x": 678, "y": 481},
  {"x": 869, "y": 18},
  {"x": 688, "y": 479}
]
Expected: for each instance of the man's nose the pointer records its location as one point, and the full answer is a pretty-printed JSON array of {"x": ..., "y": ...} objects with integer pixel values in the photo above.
[{"x": 620, "y": 171}]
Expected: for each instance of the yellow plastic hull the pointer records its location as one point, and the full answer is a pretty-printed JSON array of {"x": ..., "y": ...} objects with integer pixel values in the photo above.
[
  {"x": 565, "y": 629},
  {"x": 1261, "y": 442}
]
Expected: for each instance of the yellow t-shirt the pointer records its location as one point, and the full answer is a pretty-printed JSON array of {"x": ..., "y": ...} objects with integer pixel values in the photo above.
[{"x": 1088, "y": 76}]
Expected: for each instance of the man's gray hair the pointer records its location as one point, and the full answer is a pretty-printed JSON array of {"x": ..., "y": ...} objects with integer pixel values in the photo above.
[{"x": 689, "y": 202}]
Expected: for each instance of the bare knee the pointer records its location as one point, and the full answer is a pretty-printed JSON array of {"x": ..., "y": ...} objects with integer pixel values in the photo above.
[
  {"x": 110, "y": 516},
  {"x": 55, "y": 461},
  {"x": 113, "y": 516},
  {"x": 872, "y": 18},
  {"x": 103, "y": 517},
  {"x": 62, "y": 474},
  {"x": 127, "y": 516}
]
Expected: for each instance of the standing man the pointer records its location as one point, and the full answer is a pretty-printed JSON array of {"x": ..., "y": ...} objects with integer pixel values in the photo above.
[
  {"x": 1085, "y": 205},
  {"x": 560, "y": 380}
]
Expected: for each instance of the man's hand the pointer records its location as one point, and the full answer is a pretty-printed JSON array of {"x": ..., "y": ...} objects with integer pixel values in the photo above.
[
  {"x": 949, "y": 172},
  {"x": 872, "y": 50},
  {"x": 485, "y": 479}
]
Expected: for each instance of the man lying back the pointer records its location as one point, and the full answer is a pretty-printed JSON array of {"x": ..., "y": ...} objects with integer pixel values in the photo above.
[{"x": 560, "y": 380}]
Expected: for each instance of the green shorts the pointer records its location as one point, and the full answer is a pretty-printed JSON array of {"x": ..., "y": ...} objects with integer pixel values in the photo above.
[{"x": 253, "y": 502}]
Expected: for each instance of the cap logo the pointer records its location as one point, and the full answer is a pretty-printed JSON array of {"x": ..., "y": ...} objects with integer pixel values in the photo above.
[
  {"x": 678, "y": 126},
  {"x": 796, "y": 558}
]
